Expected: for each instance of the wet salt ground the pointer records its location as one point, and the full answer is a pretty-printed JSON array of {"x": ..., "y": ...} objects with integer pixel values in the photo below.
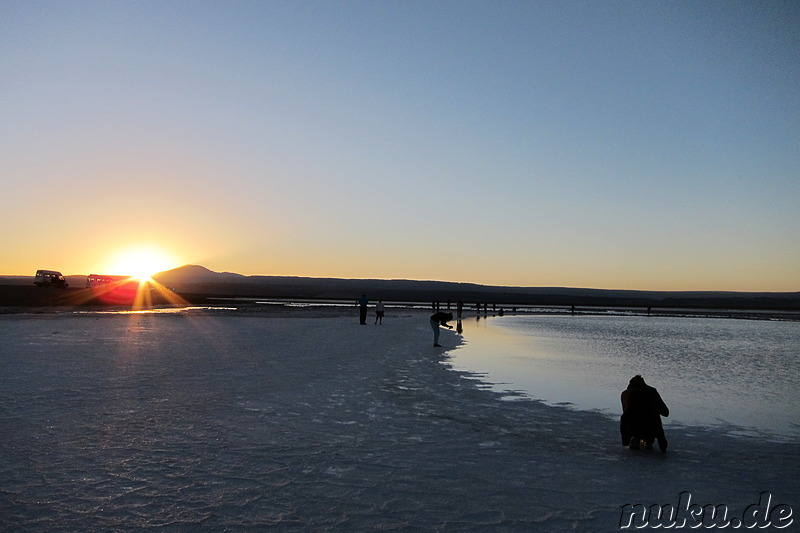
[{"x": 228, "y": 422}]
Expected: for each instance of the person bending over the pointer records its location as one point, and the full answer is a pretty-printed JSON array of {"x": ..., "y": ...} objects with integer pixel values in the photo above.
[
  {"x": 439, "y": 318},
  {"x": 642, "y": 409}
]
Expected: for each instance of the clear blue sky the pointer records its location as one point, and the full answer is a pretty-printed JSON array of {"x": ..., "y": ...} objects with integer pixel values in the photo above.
[{"x": 642, "y": 145}]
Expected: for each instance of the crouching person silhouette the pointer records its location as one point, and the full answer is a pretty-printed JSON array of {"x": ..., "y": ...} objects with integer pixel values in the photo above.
[{"x": 642, "y": 409}]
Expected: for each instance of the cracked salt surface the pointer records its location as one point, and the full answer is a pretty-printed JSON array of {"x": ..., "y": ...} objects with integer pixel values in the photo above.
[{"x": 239, "y": 422}]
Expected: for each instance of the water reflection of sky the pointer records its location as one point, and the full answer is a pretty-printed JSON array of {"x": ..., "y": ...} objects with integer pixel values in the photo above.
[{"x": 709, "y": 371}]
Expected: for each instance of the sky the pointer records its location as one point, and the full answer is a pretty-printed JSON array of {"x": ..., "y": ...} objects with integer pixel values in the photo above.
[{"x": 607, "y": 144}]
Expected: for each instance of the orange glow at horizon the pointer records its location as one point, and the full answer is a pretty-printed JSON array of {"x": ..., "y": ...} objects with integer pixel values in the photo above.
[
  {"x": 138, "y": 293},
  {"x": 140, "y": 262}
]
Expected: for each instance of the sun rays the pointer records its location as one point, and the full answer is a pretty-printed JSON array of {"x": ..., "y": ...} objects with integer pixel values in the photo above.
[
  {"x": 130, "y": 291},
  {"x": 128, "y": 278},
  {"x": 140, "y": 262}
]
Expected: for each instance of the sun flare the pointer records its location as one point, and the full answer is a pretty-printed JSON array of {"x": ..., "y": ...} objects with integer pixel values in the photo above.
[{"x": 141, "y": 262}]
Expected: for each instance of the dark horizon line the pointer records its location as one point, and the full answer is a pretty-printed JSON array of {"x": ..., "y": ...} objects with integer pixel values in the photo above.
[{"x": 458, "y": 283}]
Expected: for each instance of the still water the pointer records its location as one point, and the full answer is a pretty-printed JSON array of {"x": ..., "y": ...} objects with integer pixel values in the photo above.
[{"x": 741, "y": 375}]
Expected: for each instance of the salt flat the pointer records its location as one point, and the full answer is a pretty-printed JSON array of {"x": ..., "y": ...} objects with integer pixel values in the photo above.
[{"x": 306, "y": 420}]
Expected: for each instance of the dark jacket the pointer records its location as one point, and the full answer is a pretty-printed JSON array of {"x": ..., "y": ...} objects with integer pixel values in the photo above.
[
  {"x": 642, "y": 409},
  {"x": 442, "y": 318}
]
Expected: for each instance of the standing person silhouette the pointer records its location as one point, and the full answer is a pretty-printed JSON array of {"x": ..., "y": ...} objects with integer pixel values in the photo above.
[
  {"x": 438, "y": 318},
  {"x": 642, "y": 409},
  {"x": 362, "y": 311},
  {"x": 379, "y": 312}
]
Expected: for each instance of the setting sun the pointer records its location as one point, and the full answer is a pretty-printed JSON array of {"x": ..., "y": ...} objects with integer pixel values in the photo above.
[{"x": 141, "y": 262}]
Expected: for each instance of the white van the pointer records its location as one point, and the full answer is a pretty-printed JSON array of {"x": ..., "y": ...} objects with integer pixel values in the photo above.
[{"x": 50, "y": 278}]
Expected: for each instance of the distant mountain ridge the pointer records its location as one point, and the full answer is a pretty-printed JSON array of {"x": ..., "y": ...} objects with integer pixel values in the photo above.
[{"x": 196, "y": 279}]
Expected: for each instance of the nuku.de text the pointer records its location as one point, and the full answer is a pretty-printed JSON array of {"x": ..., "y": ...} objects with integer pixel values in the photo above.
[{"x": 686, "y": 514}]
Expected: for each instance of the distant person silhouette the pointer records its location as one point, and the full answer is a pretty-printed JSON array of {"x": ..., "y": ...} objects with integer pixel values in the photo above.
[
  {"x": 362, "y": 312},
  {"x": 379, "y": 312},
  {"x": 460, "y": 307},
  {"x": 439, "y": 318},
  {"x": 642, "y": 409}
]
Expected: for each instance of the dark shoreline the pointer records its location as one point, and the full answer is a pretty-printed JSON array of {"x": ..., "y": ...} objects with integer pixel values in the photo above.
[
  {"x": 15, "y": 299},
  {"x": 198, "y": 285}
]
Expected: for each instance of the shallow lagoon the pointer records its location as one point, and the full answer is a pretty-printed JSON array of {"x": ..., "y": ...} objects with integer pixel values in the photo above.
[
  {"x": 741, "y": 375},
  {"x": 245, "y": 421}
]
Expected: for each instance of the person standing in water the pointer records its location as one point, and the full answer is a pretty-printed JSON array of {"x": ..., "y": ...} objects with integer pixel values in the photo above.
[{"x": 437, "y": 319}]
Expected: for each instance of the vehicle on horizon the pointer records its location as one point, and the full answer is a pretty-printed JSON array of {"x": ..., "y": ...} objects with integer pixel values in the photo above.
[
  {"x": 98, "y": 280},
  {"x": 50, "y": 278},
  {"x": 115, "y": 290}
]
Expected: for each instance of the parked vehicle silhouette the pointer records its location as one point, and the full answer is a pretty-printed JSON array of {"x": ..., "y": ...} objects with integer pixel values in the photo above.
[{"x": 50, "y": 278}]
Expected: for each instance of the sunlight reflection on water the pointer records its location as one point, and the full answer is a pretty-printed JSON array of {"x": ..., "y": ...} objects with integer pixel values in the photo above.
[
  {"x": 710, "y": 371},
  {"x": 155, "y": 311}
]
